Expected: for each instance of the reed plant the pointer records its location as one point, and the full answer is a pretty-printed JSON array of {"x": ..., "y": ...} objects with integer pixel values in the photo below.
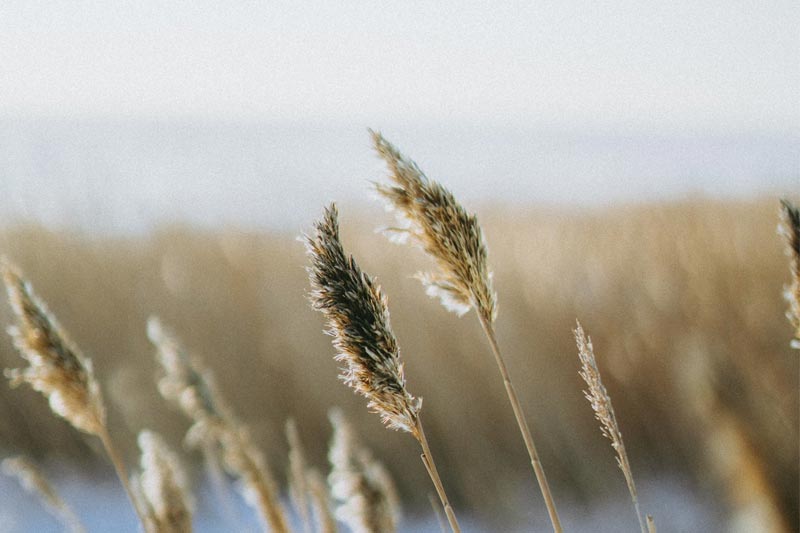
[
  {"x": 358, "y": 320},
  {"x": 431, "y": 217},
  {"x": 790, "y": 229},
  {"x": 57, "y": 369},
  {"x": 215, "y": 429},
  {"x": 603, "y": 409},
  {"x": 162, "y": 487}
]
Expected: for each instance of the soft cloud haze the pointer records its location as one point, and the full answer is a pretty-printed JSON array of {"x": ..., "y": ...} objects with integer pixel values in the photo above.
[
  {"x": 121, "y": 115},
  {"x": 673, "y": 65}
]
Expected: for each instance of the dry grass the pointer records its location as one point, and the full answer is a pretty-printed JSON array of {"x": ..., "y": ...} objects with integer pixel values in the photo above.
[
  {"x": 663, "y": 288},
  {"x": 604, "y": 412},
  {"x": 454, "y": 239},
  {"x": 214, "y": 428},
  {"x": 367, "y": 500},
  {"x": 358, "y": 319},
  {"x": 58, "y": 369},
  {"x": 162, "y": 487}
]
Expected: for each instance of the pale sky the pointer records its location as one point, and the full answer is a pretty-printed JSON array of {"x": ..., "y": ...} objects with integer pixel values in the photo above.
[{"x": 671, "y": 66}]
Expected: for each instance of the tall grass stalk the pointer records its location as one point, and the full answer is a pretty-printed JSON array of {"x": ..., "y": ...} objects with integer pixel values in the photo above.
[
  {"x": 58, "y": 369},
  {"x": 214, "y": 427},
  {"x": 604, "y": 412},
  {"x": 430, "y": 215},
  {"x": 358, "y": 320}
]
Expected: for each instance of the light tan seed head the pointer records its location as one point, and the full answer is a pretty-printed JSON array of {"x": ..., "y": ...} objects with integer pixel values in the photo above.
[
  {"x": 432, "y": 217},
  {"x": 214, "y": 427},
  {"x": 162, "y": 487},
  {"x": 790, "y": 229},
  {"x": 33, "y": 481},
  {"x": 185, "y": 383},
  {"x": 596, "y": 394},
  {"x": 358, "y": 321},
  {"x": 604, "y": 412},
  {"x": 365, "y": 493},
  {"x": 56, "y": 368}
]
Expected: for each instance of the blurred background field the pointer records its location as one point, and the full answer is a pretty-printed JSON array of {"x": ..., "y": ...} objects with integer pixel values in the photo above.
[
  {"x": 625, "y": 160},
  {"x": 683, "y": 301}
]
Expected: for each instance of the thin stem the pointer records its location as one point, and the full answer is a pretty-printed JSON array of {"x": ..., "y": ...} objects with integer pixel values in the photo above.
[
  {"x": 523, "y": 426},
  {"x": 427, "y": 460},
  {"x": 122, "y": 472},
  {"x": 266, "y": 501},
  {"x": 626, "y": 470}
]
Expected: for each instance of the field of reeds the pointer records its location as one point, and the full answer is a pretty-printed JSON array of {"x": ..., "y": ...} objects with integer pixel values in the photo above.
[{"x": 683, "y": 302}]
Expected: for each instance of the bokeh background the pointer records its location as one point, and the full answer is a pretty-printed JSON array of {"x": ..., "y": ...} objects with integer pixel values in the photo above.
[{"x": 625, "y": 161}]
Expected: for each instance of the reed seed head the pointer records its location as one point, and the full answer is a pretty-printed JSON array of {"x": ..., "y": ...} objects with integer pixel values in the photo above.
[
  {"x": 596, "y": 394},
  {"x": 186, "y": 384},
  {"x": 184, "y": 381},
  {"x": 56, "y": 368},
  {"x": 790, "y": 229},
  {"x": 604, "y": 412},
  {"x": 431, "y": 216},
  {"x": 368, "y": 501},
  {"x": 358, "y": 321},
  {"x": 163, "y": 489}
]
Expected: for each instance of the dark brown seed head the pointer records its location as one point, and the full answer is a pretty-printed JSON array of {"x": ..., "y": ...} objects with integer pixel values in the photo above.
[{"x": 358, "y": 321}]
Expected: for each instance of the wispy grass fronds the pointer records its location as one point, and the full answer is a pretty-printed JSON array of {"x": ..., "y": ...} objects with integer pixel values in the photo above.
[
  {"x": 184, "y": 382},
  {"x": 358, "y": 320},
  {"x": 57, "y": 368},
  {"x": 604, "y": 412},
  {"x": 298, "y": 486},
  {"x": 320, "y": 503},
  {"x": 432, "y": 217},
  {"x": 34, "y": 482},
  {"x": 430, "y": 214},
  {"x": 162, "y": 488},
  {"x": 215, "y": 427},
  {"x": 367, "y": 499},
  {"x": 790, "y": 229}
]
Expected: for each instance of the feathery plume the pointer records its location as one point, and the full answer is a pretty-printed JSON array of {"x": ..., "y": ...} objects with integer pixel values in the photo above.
[
  {"x": 320, "y": 503},
  {"x": 790, "y": 229},
  {"x": 604, "y": 412},
  {"x": 57, "y": 368},
  {"x": 430, "y": 214},
  {"x": 432, "y": 217},
  {"x": 215, "y": 429},
  {"x": 162, "y": 488},
  {"x": 298, "y": 486},
  {"x": 185, "y": 382},
  {"x": 367, "y": 499},
  {"x": 34, "y": 482},
  {"x": 358, "y": 320}
]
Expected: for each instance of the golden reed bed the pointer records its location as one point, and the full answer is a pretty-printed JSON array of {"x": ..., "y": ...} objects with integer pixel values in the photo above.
[{"x": 683, "y": 302}]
